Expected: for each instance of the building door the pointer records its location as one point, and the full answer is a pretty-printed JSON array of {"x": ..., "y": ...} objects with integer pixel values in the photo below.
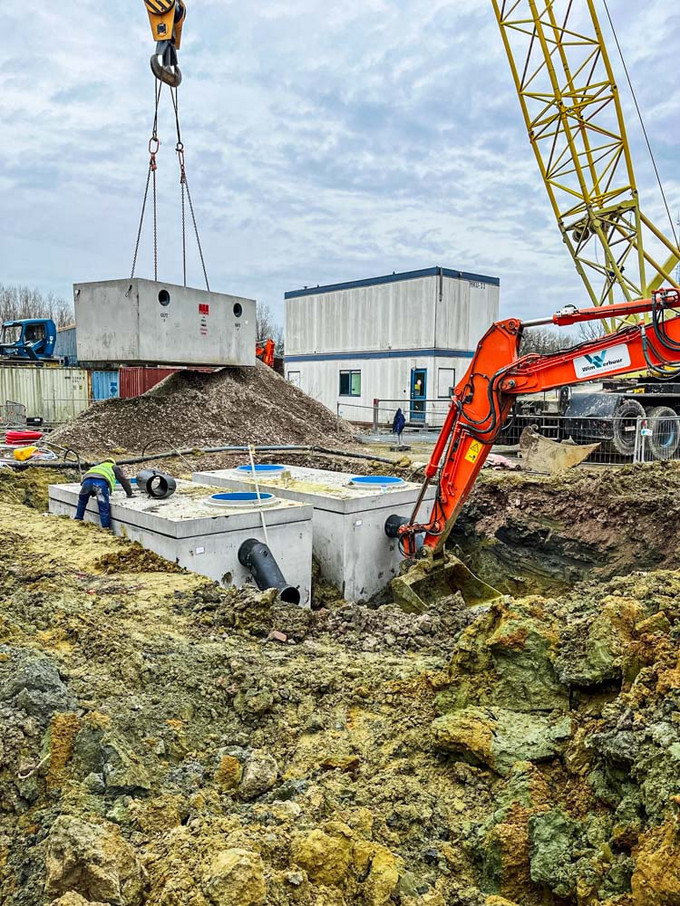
[{"x": 418, "y": 394}]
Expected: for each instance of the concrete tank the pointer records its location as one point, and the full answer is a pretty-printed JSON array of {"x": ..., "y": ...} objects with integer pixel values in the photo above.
[
  {"x": 190, "y": 530},
  {"x": 354, "y": 553},
  {"x": 141, "y": 322}
]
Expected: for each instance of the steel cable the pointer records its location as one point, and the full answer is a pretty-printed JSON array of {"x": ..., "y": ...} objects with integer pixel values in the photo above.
[{"x": 154, "y": 146}]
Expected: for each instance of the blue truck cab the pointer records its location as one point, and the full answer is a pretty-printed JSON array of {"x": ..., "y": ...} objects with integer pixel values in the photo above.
[{"x": 31, "y": 340}]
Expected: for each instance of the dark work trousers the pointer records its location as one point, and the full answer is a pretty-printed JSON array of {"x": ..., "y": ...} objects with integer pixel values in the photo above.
[{"x": 99, "y": 488}]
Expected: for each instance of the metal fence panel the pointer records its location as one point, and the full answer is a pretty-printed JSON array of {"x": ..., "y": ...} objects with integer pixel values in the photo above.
[{"x": 657, "y": 438}]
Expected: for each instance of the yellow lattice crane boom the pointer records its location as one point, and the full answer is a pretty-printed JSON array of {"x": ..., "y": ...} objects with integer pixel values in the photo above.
[{"x": 573, "y": 115}]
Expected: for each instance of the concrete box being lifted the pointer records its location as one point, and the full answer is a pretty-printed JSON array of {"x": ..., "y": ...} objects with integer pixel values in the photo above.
[
  {"x": 186, "y": 530},
  {"x": 141, "y": 322},
  {"x": 354, "y": 553}
]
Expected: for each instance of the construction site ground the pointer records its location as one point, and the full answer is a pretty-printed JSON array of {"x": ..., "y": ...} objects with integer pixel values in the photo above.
[{"x": 168, "y": 742}]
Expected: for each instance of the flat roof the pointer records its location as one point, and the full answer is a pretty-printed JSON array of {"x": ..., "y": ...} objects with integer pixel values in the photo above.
[{"x": 393, "y": 278}]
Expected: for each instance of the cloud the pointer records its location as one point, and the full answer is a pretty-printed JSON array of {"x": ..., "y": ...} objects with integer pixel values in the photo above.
[{"x": 324, "y": 143}]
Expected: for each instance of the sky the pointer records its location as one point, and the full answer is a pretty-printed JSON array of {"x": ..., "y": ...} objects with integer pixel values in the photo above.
[{"x": 324, "y": 143}]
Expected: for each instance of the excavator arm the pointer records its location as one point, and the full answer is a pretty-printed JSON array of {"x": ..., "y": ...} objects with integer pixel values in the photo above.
[
  {"x": 167, "y": 20},
  {"x": 497, "y": 375}
]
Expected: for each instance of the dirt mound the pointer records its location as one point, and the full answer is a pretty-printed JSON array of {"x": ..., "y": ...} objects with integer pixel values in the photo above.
[{"x": 192, "y": 409}]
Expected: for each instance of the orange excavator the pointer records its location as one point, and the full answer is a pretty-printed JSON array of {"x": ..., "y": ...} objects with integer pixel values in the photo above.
[
  {"x": 265, "y": 352},
  {"x": 480, "y": 405}
]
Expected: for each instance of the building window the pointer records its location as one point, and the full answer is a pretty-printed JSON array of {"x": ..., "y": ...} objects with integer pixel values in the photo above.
[
  {"x": 350, "y": 383},
  {"x": 446, "y": 381},
  {"x": 294, "y": 378}
]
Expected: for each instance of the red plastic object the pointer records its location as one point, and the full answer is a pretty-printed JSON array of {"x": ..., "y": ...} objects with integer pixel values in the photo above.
[{"x": 21, "y": 438}]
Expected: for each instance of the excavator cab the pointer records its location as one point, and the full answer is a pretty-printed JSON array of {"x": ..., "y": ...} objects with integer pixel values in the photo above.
[{"x": 167, "y": 20}]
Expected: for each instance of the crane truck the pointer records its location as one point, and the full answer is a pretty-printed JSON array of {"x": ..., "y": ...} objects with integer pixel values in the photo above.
[
  {"x": 572, "y": 111},
  {"x": 28, "y": 341}
]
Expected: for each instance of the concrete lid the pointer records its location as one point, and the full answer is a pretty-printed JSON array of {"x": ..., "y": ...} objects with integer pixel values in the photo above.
[
  {"x": 186, "y": 515},
  {"x": 325, "y": 490}
]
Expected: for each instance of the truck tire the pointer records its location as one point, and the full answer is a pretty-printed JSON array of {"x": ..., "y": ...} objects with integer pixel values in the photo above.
[
  {"x": 665, "y": 437},
  {"x": 624, "y": 427}
]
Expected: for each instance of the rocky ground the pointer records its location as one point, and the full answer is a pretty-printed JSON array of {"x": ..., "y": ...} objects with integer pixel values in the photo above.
[{"x": 165, "y": 742}]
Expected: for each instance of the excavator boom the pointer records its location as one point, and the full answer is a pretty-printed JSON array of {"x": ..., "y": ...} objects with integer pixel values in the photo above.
[
  {"x": 498, "y": 375},
  {"x": 479, "y": 408}
]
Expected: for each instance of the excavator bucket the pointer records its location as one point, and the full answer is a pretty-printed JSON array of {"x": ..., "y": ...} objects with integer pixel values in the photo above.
[
  {"x": 539, "y": 454},
  {"x": 435, "y": 578}
]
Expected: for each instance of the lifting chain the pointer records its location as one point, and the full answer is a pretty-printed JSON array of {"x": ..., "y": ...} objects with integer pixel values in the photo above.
[{"x": 154, "y": 148}]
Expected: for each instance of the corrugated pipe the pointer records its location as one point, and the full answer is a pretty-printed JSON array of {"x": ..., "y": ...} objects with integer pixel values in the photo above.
[{"x": 138, "y": 460}]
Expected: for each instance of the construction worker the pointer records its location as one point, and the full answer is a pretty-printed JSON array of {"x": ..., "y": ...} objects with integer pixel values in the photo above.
[
  {"x": 99, "y": 482},
  {"x": 398, "y": 426}
]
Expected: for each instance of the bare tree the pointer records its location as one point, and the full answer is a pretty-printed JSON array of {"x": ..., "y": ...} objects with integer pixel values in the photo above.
[
  {"x": 267, "y": 328},
  {"x": 545, "y": 341},
  {"x": 17, "y": 303},
  {"x": 591, "y": 330}
]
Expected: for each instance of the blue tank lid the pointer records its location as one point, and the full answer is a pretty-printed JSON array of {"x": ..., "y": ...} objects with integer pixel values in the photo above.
[
  {"x": 377, "y": 481},
  {"x": 241, "y": 497},
  {"x": 260, "y": 470}
]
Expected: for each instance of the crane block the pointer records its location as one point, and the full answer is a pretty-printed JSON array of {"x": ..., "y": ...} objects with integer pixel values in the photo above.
[{"x": 162, "y": 18}]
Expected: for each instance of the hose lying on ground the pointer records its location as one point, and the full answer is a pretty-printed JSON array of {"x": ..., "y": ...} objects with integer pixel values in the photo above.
[{"x": 138, "y": 460}]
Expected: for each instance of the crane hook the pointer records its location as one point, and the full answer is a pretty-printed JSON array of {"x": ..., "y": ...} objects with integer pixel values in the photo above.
[{"x": 165, "y": 70}]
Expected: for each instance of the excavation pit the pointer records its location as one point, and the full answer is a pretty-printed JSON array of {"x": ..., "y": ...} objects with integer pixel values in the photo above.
[
  {"x": 354, "y": 553},
  {"x": 186, "y": 530}
]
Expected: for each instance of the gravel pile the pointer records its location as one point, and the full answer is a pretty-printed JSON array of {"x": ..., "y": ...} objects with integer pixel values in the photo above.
[{"x": 194, "y": 409}]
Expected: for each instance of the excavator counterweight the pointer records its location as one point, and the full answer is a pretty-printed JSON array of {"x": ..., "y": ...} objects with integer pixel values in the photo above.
[{"x": 167, "y": 20}]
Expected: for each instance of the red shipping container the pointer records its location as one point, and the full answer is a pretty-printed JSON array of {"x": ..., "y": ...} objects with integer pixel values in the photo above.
[{"x": 135, "y": 381}]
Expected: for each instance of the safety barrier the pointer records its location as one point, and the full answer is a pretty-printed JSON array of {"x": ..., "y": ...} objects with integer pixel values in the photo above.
[
  {"x": 657, "y": 439},
  {"x": 12, "y": 415},
  {"x": 420, "y": 414},
  {"x": 618, "y": 440}
]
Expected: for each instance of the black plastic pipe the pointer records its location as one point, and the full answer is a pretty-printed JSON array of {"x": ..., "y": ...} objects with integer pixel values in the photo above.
[
  {"x": 156, "y": 484},
  {"x": 257, "y": 557},
  {"x": 393, "y": 524},
  {"x": 138, "y": 460}
]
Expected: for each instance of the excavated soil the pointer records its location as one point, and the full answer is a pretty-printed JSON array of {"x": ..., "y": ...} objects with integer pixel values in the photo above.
[
  {"x": 529, "y": 532},
  {"x": 193, "y": 409},
  {"x": 165, "y": 742}
]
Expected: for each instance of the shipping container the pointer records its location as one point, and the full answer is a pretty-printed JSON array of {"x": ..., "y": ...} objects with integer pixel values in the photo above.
[
  {"x": 104, "y": 385},
  {"x": 136, "y": 381},
  {"x": 54, "y": 394},
  {"x": 65, "y": 348}
]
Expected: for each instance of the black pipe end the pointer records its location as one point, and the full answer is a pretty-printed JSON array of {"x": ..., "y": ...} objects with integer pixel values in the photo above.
[
  {"x": 256, "y": 557},
  {"x": 393, "y": 524},
  {"x": 290, "y": 595},
  {"x": 156, "y": 484}
]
